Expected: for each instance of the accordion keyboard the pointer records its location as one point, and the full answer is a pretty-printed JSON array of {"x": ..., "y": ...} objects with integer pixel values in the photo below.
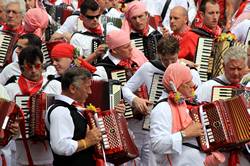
[
  {"x": 101, "y": 126},
  {"x": 5, "y": 41},
  {"x": 22, "y": 102},
  {"x": 202, "y": 58},
  {"x": 138, "y": 43},
  {"x": 120, "y": 75},
  {"x": 154, "y": 95},
  {"x": 46, "y": 56}
]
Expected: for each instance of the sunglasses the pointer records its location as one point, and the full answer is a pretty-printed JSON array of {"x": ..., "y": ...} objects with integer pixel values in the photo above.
[
  {"x": 92, "y": 17},
  {"x": 29, "y": 67}
]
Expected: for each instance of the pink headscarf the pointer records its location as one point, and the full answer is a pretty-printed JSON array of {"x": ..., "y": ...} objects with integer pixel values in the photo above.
[
  {"x": 117, "y": 38},
  {"x": 178, "y": 74},
  {"x": 36, "y": 21},
  {"x": 134, "y": 8}
]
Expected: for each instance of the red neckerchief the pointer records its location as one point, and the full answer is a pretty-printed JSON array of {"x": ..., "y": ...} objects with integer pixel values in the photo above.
[
  {"x": 180, "y": 35},
  {"x": 97, "y": 30},
  {"x": 144, "y": 32},
  {"x": 28, "y": 87},
  {"x": 126, "y": 63},
  {"x": 215, "y": 33},
  {"x": 19, "y": 30}
]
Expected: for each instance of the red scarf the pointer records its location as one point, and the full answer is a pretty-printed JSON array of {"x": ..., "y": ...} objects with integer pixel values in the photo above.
[
  {"x": 144, "y": 32},
  {"x": 126, "y": 63},
  {"x": 28, "y": 87},
  {"x": 97, "y": 30},
  {"x": 180, "y": 35},
  {"x": 214, "y": 33},
  {"x": 19, "y": 30}
]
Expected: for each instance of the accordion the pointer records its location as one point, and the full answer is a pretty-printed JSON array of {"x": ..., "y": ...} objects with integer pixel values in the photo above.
[
  {"x": 10, "y": 111},
  {"x": 106, "y": 95},
  {"x": 34, "y": 108},
  {"x": 7, "y": 45},
  {"x": 116, "y": 141},
  {"x": 154, "y": 94},
  {"x": 146, "y": 44},
  {"x": 203, "y": 57},
  {"x": 226, "y": 92},
  {"x": 226, "y": 124}
]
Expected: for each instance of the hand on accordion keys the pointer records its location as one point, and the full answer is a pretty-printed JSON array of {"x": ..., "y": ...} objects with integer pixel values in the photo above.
[
  {"x": 193, "y": 130},
  {"x": 141, "y": 105},
  {"x": 120, "y": 107},
  {"x": 14, "y": 127}
]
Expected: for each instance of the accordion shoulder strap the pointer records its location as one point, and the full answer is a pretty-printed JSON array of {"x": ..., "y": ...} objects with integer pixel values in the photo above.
[
  {"x": 158, "y": 65},
  {"x": 191, "y": 146},
  {"x": 202, "y": 32},
  {"x": 162, "y": 100},
  {"x": 56, "y": 104},
  {"x": 220, "y": 81},
  {"x": 165, "y": 9}
]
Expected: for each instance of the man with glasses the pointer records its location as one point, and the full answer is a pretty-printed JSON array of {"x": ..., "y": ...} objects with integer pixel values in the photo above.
[
  {"x": 30, "y": 82},
  {"x": 15, "y": 10}
]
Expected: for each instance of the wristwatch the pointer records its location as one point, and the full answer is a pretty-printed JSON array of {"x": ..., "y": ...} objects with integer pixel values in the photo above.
[{"x": 183, "y": 135}]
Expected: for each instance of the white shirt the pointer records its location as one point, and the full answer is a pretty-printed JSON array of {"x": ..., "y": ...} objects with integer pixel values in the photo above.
[
  {"x": 72, "y": 24},
  {"x": 143, "y": 75},
  {"x": 241, "y": 30},
  {"x": 155, "y": 7},
  {"x": 165, "y": 143},
  {"x": 61, "y": 134},
  {"x": 40, "y": 151}
]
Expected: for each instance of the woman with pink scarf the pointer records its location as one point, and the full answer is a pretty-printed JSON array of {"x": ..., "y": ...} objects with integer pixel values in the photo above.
[{"x": 171, "y": 125}]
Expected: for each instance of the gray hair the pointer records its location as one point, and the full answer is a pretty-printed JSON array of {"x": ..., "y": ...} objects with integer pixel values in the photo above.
[
  {"x": 73, "y": 76},
  {"x": 235, "y": 52},
  {"x": 21, "y": 4}
]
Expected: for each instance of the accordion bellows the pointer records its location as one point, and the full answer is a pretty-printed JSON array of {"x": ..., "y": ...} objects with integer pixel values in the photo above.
[{"x": 226, "y": 124}]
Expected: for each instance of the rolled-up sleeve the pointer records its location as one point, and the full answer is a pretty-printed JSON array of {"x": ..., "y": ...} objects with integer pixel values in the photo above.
[
  {"x": 162, "y": 139},
  {"x": 61, "y": 129}
]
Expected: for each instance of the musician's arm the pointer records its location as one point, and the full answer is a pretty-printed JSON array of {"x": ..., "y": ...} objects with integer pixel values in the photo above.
[
  {"x": 61, "y": 134},
  {"x": 162, "y": 139},
  {"x": 135, "y": 82},
  {"x": 66, "y": 27},
  {"x": 100, "y": 51}
]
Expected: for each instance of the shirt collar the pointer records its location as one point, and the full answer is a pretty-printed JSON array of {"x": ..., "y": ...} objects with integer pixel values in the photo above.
[
  {"x": 114, "y": 59},
  {"x": 64, "y": 98}
]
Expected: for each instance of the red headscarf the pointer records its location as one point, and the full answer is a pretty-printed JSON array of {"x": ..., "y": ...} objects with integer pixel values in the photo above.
[{"x": 66, "y": 50}]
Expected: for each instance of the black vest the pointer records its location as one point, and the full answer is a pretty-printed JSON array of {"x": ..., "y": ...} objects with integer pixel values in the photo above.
[
  {"x": 109, "y": 66},
  {"x": 83, "y": 157}
]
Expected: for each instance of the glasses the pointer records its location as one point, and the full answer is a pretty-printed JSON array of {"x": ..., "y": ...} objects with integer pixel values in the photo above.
[
  {"x": 13, "y": 11},
  {"x": 92, "y": 17},
  {"x": 29, "y": 67}
]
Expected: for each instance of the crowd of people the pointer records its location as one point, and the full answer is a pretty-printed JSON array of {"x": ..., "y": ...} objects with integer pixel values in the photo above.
[{"x": 164, "y": 53}]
